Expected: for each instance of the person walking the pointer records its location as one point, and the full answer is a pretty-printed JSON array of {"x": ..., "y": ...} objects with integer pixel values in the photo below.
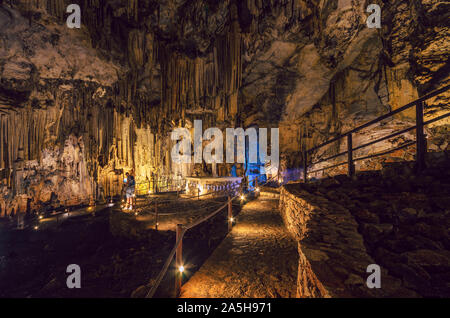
[{"x": 129, "y": 191}]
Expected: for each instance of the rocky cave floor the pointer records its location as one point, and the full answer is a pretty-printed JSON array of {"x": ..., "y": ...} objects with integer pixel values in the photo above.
[
  {"x": 404, "y": 219},
  {"x": 119, "y": 254}
]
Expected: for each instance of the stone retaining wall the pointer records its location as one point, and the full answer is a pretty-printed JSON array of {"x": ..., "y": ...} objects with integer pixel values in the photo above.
[
  {"x": 272, "y": 195},
  {"x": 332, "y": 257}
]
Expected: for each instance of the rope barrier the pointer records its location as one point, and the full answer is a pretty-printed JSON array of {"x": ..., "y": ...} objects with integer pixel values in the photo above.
[
  {"x": 186, "y": 198},
  {"x": 161, "y": 274},
  {"x": 197, "y": 210},
  {"x": 207, "y": 217},
  {"x": 163, "y": 271}
]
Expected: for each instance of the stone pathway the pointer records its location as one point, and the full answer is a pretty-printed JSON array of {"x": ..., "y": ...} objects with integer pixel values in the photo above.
[{"x": 258, "y": 259}]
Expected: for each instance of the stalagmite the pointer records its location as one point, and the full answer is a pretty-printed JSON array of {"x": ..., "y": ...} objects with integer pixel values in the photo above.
[{"x": 102, "y": 100}]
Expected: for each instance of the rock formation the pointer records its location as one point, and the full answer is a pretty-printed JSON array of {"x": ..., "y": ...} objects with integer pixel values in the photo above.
[{"x": 79, "y": 107}]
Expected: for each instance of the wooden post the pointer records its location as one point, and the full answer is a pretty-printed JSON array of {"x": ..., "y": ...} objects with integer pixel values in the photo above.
[
  {"x": 420, "y": 138},
  {"x": 351, "y": 165},
  {"x": 305, "y": 166},
  {"x": 178, "y": 262},
  {"x": 230, "y": 214},
  {"x": 198, "y": 193},
  {"x": 156, "y": 215}
]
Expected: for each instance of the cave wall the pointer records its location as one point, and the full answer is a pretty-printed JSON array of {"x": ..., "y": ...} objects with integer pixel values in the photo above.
[
  {"x": 316, "y": 70},
  {"x": 102, "y": 100},
  {"x": 93, "y": 103}
]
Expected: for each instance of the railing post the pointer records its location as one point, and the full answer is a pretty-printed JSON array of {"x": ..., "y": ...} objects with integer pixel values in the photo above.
[
  {"x": 156, "y": 215},
  {"x": 305, "y": 166},
  {"x": 230, "y": 215},
  {"x": 351, "y": 165},
  {"x": 178, "y": 262},
  {"x": 420, "y": 138}
]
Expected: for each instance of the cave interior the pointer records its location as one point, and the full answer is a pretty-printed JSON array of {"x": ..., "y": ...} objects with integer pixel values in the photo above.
[{"x": 82, "y": 106}]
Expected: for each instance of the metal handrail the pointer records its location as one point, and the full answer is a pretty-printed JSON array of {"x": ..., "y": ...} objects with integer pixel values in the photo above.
[
  {"x": 390, "y": 114},
  {"x": 420, "y": 137}
]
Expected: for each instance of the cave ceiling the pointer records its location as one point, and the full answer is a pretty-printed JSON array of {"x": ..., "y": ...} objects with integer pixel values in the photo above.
[{"x": 115, "y": 88}]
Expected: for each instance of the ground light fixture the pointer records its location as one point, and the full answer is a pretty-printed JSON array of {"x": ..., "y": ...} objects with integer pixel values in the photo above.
[{"x": 181, "y": 269}]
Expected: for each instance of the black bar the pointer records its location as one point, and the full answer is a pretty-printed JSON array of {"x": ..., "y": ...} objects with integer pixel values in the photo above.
[
  {"x": 420, "y": 138},
  {"x": 407, "y": 144},
  {"x": 367, "y": 157},
  {"x": 329, "y": 167},
  {"x": 390, "y": 114},
  {"x": 351, "y": 165},
  {"x": 329, "y": 158},
  {"x": 384, "y": 138},
  {"x": 436, "y": 119}
]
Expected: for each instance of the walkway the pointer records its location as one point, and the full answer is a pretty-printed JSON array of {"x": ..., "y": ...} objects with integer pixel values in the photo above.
[{"x": 258, "y": 259}]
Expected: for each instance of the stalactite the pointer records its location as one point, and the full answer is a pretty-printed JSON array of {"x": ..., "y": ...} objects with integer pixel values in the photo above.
[
  {"x": 133, "y": 9},
  {"x": 56, "y": 8},
  {"x": 196, "y": 84},
  {"x": 128, "y": 128}
]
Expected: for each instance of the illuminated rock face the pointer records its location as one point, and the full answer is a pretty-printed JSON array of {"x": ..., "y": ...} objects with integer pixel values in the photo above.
[{"x": 81, "y": 107}]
